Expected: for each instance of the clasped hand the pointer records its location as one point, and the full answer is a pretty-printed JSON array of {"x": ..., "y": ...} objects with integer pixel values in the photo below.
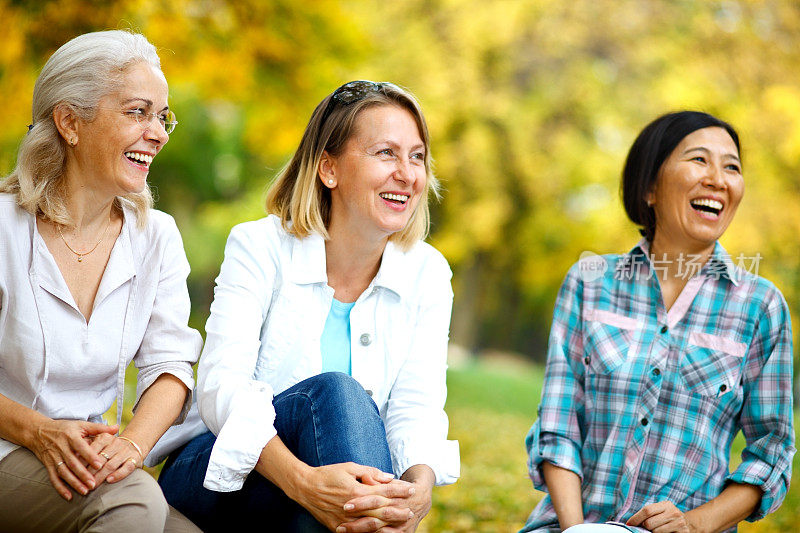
[
  {"x": 353, "y": 498},
  {"x": 662, "y": 517},
  {"x": 82, "y": 455}
]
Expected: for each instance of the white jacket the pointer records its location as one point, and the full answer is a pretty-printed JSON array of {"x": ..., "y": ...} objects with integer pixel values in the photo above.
[{"x": 263, "y": 336}]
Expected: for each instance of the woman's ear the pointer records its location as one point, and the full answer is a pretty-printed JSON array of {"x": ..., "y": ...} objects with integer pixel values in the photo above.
[
  {"x": 650, "y": 197},
  {"x": 66, "y": 122},
  {"x": 327, "y": 170}
]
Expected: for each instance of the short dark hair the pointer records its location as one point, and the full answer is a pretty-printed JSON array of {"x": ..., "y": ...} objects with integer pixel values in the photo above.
[{"x": 649, "y": 151}]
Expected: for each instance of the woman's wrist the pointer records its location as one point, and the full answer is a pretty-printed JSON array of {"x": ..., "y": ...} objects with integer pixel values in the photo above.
[
  {"x": 297, "y": 481},
  {"x": 30, "y": 434},
  {"x": 135, "y": 447},
  {"x": 279, "y": 466}
]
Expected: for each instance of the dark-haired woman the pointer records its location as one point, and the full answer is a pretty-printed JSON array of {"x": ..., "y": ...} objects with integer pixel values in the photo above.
[{"x": 653, "y": 367}]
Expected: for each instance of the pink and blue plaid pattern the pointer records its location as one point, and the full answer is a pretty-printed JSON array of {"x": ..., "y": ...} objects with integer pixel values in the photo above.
[{"x": 643, "y": 403}]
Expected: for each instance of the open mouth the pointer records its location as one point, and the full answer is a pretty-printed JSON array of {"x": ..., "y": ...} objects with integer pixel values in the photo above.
[
  {"x": 400, "y": 199},
  {"x": 707, "y": 205},
  {"x": 139, "y": 158}
]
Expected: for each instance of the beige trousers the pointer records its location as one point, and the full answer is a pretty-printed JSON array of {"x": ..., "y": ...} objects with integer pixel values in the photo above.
[{"x": 29, "y": 503}]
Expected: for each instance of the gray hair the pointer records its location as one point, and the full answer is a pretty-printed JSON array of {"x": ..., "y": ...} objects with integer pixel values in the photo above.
[{"x": 78, "y": 75}]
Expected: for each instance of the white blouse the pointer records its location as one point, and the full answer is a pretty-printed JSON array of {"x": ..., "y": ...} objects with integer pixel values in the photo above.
[
  {"x": 263, "y": 336},
  {"x": 51, "y": 359}
]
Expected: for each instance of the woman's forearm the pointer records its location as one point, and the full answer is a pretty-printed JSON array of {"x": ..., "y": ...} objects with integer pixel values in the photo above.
[
  {"x": 281, "y": 467},
  {"x": 18, "y": 423},
  {"x": 158, "y": 408},
  {"x": 564, "y": 487},
  {"x": 735, "y": 503}
]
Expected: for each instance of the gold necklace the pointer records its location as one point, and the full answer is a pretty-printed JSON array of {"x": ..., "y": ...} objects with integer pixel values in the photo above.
[{"x": 81, "y": 255}]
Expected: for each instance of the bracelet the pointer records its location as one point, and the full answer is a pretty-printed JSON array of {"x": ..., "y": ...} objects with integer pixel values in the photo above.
[{"x": 138, "y": 450}]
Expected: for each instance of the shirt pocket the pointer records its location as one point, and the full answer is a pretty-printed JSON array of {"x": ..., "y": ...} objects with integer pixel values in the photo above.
[
  {"x": 609, "y": 337},
  {"x": 711, "y": 365}
]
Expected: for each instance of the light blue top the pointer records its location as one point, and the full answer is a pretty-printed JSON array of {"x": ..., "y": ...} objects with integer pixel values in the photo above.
[{"x": 335, "y": 341}]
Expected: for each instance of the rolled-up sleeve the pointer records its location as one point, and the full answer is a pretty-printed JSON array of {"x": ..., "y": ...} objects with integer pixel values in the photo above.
[
  {"x": 235, "y": 406},
  {"x": 416, "y": 423},
  {"x": 556, "y": 436},
  {"x": 766, "y": 416},
  {"x": 169, "y": 345}
]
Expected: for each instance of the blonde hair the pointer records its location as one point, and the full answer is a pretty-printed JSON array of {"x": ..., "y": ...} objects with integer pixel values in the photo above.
[
  {"x": 77, "y": 75},
  {"x": 303, "y": 203}
]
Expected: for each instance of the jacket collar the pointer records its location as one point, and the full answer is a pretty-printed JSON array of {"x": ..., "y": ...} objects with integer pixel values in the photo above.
[{"x": 308, "y": 265}]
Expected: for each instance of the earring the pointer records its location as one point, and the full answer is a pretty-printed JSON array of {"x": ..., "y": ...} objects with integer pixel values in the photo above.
[
  {"x": 73, "y": 141},
  {"x": 330, "y": 182}
]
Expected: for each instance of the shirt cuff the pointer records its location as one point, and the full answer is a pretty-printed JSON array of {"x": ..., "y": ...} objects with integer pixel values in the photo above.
[
  {"x": 442, "y": 457},
  {"x": 248, "y": 428},
  {"x": 180, "y": 369},
  {"x": 772, "y": 480},
  {"x": 555, "y": 449}
]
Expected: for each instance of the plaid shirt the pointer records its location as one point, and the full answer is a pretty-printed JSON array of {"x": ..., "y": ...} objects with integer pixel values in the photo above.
[{"x": 643, "y": 403}]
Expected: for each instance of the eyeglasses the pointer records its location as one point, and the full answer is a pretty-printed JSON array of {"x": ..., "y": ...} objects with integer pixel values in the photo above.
[
  {"x": 352, "y": 92},
  {"x": 167, "y": 119}
]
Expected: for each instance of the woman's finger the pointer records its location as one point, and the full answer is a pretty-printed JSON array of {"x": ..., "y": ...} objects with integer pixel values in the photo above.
[
  {"x": 390, "y": 511},
  {"x": 360, "y": 505},
  {"x": 56, "y": 481},
  {"x": 390, "y": 515},
  {"x": 643, "y": 514},
  {"x": 83, "y": 448},
  {"x": 66, "y": 470},
  {"x": 120, "y": 462},
  {"x": 361, "y": 525},
  {"x": 97, "y": 443},
  {"x": 126, "y": 468},
  {"x": 375, "y": 477},
  {"x": 396, "y": 489},
  {"x": 369, "y": 474}
]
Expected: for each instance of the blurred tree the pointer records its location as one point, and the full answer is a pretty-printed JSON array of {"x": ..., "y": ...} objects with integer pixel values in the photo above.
[{"x": 532, "y": 106}]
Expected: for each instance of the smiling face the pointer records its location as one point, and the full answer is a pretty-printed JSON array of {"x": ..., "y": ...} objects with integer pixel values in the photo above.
[
  {"x": 379, "y": 177},
  {"x": 697, "y": 191},
  {"x": 113, "y": 152}
]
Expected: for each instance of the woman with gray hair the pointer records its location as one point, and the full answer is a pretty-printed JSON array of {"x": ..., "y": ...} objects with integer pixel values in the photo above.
[
  {"x": 91, "y": 278},
  {"x": 323, "y": 374}
]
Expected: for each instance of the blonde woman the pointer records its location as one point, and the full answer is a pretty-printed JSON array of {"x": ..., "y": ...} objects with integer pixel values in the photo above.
[
  {"x": 91, "y": 278},
  {"x": 323, "y": 376}
]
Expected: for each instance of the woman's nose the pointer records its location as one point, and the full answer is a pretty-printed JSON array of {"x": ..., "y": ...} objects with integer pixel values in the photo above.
[{"x": 715, "y": 177}]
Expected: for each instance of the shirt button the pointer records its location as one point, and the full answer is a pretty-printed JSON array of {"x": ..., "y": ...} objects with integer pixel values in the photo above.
[
  {"x": 365, "y": 339},
  {"x": 664, "y": 329},
  {"x": 586, "y": 360},
  {"x": 656, "y": 372},
  {"x": 645, "y": 421},
  {"x": 723, "y": 388}
]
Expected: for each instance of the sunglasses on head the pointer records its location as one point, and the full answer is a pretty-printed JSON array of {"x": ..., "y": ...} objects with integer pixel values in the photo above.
[{"x": 352, "y": 92}]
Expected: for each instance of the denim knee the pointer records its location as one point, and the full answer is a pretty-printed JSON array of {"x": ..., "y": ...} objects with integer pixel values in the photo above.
[
  {"x": 339, "y": 388},
  {"x": 329, "y": 418}
]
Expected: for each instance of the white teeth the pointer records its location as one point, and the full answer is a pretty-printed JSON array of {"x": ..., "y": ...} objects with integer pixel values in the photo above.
[
  {"x": 137, "y": 156},
  {"x": 396, "y": 197},
  {"x": 707, "y": 202}
]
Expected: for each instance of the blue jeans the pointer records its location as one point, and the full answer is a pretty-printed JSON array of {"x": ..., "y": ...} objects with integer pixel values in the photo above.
[{"x": 326, "y": 419}]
